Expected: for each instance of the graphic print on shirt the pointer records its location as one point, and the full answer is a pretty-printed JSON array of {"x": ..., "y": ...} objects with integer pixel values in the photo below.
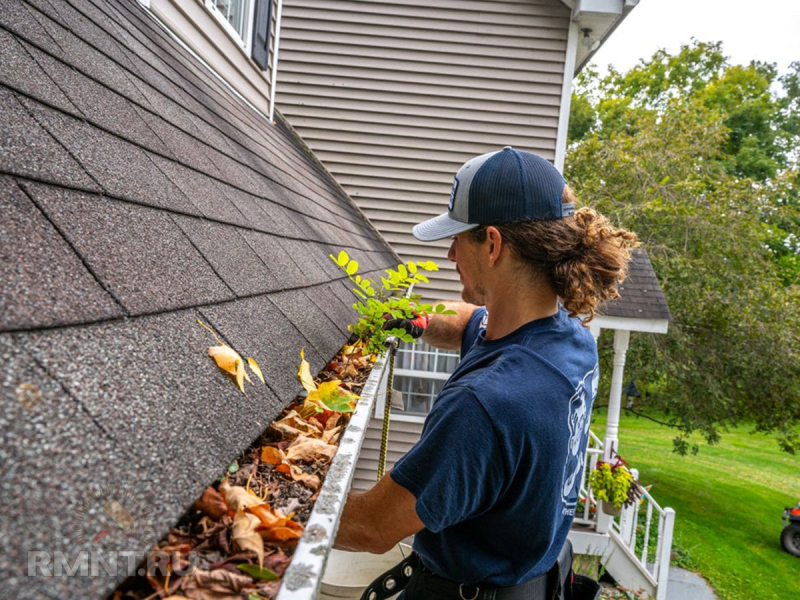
[{"x": 578, "y": 422}]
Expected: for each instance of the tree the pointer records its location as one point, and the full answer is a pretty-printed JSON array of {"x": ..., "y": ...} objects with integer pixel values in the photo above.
[{"x": 699, "y": 158}]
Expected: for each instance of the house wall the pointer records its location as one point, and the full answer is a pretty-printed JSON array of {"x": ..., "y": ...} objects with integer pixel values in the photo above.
[
  {"x": 194, "y": 24},
  {"x": 394, "y": 95},
  {"x": 403, "y": 434}
]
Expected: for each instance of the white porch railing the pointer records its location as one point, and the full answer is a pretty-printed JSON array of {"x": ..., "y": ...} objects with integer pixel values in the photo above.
[
  {"x": 644, "y": 529},
  {"x": 652, "y": 548}
]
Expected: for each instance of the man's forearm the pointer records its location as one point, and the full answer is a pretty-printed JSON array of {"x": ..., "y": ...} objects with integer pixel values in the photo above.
[
  {"x": 376, "y": 520},
  {"x": 446, "y": 331}
]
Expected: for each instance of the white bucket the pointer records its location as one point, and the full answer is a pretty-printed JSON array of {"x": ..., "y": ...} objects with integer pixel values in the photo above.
[{"x": 349, "y": 573}]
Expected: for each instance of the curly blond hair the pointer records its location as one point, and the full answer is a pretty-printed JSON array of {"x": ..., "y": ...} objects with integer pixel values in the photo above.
[{"x": 584, "y": 256}]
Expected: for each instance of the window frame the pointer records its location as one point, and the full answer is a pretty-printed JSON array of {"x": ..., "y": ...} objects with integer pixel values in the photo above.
[
  {"x": 416, "y": 352},
  {"x": 245, "y": 44}
]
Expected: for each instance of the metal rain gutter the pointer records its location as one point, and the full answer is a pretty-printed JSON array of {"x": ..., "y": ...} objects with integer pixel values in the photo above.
[{"x": 303, "y": 578}]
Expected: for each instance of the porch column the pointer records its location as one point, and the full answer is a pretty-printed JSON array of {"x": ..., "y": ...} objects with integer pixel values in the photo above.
[{"x": 611, "y": 441}]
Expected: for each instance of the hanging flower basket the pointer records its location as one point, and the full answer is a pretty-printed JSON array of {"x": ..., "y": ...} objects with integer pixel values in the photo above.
[{"x": 613, "y": 486}]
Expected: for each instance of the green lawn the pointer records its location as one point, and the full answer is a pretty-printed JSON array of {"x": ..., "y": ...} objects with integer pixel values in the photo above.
[{"x": 728, "y": 501}]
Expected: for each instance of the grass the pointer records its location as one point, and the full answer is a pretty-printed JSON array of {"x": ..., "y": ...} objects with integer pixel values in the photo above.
[{"x": 728, "y": 500}]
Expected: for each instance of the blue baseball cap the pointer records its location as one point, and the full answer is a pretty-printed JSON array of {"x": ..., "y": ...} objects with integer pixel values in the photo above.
[{"x": 499, "y": 187}]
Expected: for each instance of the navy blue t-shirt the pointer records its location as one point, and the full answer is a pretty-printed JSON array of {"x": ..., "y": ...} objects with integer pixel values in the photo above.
[{"x": 497, "y": 470}]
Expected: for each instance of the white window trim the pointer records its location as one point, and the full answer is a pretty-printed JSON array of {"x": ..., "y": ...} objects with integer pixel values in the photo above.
[{"x": 246, "y": 43}]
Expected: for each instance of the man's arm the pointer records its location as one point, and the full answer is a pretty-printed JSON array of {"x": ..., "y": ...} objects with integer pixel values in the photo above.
[
  {"x": 376, "y": 520},
  {"x": 446, "y": 331}
]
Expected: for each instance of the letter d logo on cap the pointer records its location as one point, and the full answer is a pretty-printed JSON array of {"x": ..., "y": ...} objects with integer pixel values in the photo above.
[{"x": 453, "y": 194}]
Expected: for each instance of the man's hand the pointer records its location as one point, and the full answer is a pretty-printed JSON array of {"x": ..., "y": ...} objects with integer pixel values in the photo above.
[{"x": 414, "y": 327}]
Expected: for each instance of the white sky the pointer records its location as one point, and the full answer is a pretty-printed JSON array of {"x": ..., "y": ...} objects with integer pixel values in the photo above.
[{"x": 767, "y": 30}]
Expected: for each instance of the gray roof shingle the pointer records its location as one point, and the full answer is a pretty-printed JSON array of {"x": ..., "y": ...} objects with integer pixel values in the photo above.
[
  {"x": 139, "y": 195},
  {"x": 640, "y": 295}
]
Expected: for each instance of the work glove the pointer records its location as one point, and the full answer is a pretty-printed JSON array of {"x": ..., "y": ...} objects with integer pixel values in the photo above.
[{"x": 414, "y": 327}]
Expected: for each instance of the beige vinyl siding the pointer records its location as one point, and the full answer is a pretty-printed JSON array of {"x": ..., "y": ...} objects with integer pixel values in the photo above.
[
  {"x": 402, "y": 436},
  {"x": 393, "y": 96},
  {"x": 198, "y": 28}
]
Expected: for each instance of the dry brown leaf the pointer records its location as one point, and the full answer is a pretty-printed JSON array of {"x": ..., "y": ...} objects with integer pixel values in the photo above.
[
  {"x": 308, "y": 449},
  {"x": 244, "y": 535},
  {"x": 309, "y": 480},
  {"x": 272, "y": 455},
  {"x": 330, "y": 435},
  {"x": 211, "y": 503},
  {"x": 237, "y": 497},
  {"x": 219, "y": 584},
  {"x": 293, "y": 425}
]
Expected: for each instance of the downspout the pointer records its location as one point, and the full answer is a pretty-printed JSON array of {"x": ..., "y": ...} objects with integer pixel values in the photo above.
[
  {"x": 566, "y": 96},
  {"x": 274, "y": 81}
]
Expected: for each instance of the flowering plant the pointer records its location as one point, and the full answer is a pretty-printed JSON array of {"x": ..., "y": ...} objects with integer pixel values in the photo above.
[{"x": 612, "y": 482}]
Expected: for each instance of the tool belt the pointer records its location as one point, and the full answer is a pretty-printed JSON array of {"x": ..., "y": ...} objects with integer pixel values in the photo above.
[{"x": 419, "y": 583}]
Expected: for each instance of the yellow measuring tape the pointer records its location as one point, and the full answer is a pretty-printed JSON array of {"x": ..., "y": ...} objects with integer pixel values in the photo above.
[{"x": 391, "y": 343}]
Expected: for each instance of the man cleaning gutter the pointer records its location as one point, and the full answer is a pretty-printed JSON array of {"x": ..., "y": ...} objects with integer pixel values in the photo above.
[{"x": 491, "y": 488}]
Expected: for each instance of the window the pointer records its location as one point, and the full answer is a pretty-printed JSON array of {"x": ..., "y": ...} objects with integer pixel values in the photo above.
[
  {"x": 420, "y": 373},
  {"x": 236, "y": 17}
]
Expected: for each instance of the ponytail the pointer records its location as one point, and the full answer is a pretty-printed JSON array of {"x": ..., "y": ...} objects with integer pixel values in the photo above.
[{"x": 584, "y": 257}]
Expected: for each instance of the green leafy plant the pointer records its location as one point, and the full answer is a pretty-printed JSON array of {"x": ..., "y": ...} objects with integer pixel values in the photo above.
[
  {"x": 612, "y": 482},
  {"x": 394, "y": 297}
]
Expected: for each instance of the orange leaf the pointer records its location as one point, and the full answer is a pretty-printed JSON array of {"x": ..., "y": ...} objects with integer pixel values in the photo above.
[
  {"x": 282, "y": 534},
  {"x": 275, "y": 527},
  {"x": 283, "y": 468},
  {"x": 272, "y": 455},
  {"x": 267, "y": 516}
]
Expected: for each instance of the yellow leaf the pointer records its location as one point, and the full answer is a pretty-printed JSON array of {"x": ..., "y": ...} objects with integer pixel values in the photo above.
[
  {"x": 256, "y": 369},
  {"x": 240, "y": 375},
  {"x": 225, "y": 357},
  {"x": 304, "y": 373},
  {"x": 330, "y": 396}
]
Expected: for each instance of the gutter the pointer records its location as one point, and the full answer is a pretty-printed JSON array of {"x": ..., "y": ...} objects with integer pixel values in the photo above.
[{"x": 303, "y": 578}]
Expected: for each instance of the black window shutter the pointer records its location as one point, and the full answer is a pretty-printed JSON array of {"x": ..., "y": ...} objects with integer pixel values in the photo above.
[{"x": 261, "y": 28}]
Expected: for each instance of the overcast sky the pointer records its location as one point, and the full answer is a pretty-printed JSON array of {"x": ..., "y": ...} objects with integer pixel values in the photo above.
[{"x": 767, "y": 30}]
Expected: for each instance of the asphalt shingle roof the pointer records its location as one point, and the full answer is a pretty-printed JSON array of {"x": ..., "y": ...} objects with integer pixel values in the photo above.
[
  {"x": 640, "y": 295},
  {"x": 138, "y": 195}
]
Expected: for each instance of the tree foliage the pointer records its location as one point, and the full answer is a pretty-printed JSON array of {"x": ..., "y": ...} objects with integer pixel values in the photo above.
[{"x": 699, "y": 157}]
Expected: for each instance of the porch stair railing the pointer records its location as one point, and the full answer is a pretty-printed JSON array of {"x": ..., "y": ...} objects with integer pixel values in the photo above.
[{"x": 638, "y": 544}]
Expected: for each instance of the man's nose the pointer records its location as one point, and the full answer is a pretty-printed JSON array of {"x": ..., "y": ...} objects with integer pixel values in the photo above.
[{"x": 451, "y": 254}]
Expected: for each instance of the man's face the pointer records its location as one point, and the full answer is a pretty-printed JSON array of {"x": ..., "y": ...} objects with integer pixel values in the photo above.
[{"x": 466, "y": 254}]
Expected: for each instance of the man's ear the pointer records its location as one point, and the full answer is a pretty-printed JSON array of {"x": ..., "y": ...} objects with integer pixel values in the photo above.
[{"x": 495, "y": 241}]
